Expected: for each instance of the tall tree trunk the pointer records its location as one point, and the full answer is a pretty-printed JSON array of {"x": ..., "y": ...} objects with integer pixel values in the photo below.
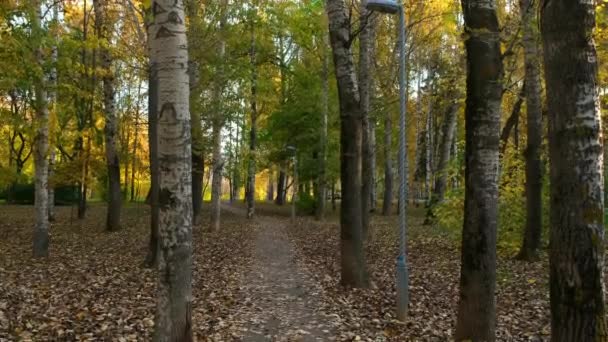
[
  {"x": 194, "y": 33},
  {"x": 270, "y": 186},
  {"x": 53, "y": 114},
  {"x": 153, "y": 246},
  {"x": 135, "y": 145},
  {"x": 512, "y": 120},
  {"x": 448, "y": 128},
  {"x": 387, "y": 204},
  {"x": 428, "y": 146},
  {"x": 353, "y": 265},
  {"x": 366, "y": 42},
  {"x": 53, "y": 117},
  {"x": 576, "y": 255},
  {"x": 280, "y": 199},
  {"x": 250, "y": 193},
  {"x": 41, "y": 147},
  {"x": 216, "y": 183},
  {"x": 534, "y": 183},
  {"x": 173, "y": 320},
  {"x": 372, "y": 164},
  {"x": 111, "y": 121},
  {"x": 477, "y": 306},
  {"x": 84, "y": 180},
  {"x": 322, "y": 172},
  {"x": 218, "y": 162}
]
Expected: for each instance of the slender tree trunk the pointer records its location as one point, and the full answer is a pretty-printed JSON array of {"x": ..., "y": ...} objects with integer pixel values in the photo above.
[
  {"x": 372, "y": 164},
  {"x": 135, "y": 145},
  {"x": 428, "y": 148},
  {"x": 250, "y": 193},
  {"x": 322, "y": 175},
  {"x": 270, "y": 186},
  {"x": 84, "y": 182},
  {"x": 576, "y": 255},
  {"x": 353, "y": 264},
  {"x": 111, "y": 125},
  {"x": 152, "y": 256},
  {"x": 173, "y": 320},
  {"x": 477, "y": 305},
  {"x": 387, "y": 204},
  {"x": 512, "y": 120},
  {"x": 53, "y": 116},
  {"x": 125, "y": 149},
  {"x": 280, "y": 199},
  {"x": 41, "y": 147},
  {"x": 194, "y": 33},
  {"x": 366, "y": 42},
  {"x": 218, "y": 162},
  {"x": 532, "y": 234},
  {"x": 448, "y": 128},
  {"x": 216, "y": 183}
]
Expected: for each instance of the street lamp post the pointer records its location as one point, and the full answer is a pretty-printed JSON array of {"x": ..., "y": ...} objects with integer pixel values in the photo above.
[
  {"x": 294, "y": 198},
  {"x": 392, "y": 7}
]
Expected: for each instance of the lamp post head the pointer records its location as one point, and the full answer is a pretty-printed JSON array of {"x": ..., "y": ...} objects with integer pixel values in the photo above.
[{"x": 383, "y": 6}]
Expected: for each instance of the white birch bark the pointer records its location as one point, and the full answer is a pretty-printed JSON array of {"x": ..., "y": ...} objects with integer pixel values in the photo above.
[
  {"x": 169, "y": 48},
  {"x": 111, "y": 121}
]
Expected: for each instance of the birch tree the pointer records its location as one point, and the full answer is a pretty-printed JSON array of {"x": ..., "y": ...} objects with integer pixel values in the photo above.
[
  {"x": 111, "y": 121},
  {"x": 169, "y": 50},
  {"x": 477, "y": 306},
  {"x": 576, "y": 256}
]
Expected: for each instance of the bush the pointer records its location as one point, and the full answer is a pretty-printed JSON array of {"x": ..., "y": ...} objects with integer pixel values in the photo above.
[
  {"x": 306, "y": 204},
  {"x": 511, "y": 206},
  {"x": 66, "y": 195},
  {"x": 21, "y": 193}
]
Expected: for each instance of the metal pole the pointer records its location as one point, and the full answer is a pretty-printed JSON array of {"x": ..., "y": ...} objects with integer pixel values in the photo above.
[
  {"x": 402, "y": 271},
  {"x": 294, "y": 198}
]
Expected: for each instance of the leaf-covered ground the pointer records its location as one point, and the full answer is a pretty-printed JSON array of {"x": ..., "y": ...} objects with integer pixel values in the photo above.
[{"x": 261, "y": 280}]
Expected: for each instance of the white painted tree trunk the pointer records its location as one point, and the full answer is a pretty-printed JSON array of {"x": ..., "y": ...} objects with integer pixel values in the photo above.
[
  {"x": 41, "y": 146},
  {"x": 169, "y": 48}
]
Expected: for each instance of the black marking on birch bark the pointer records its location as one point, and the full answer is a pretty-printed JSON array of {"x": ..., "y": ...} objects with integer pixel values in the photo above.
[
  {"x": 168, "y": 108},
  {"x": 164, "y": 32},
  {"x": 174, "y": 18},
  {"x": 157, "y": 9},
  {"x": 165, "y": 198}
]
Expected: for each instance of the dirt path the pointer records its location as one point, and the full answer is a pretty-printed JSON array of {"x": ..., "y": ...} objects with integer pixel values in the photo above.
[{"x": 280, "y": 300}]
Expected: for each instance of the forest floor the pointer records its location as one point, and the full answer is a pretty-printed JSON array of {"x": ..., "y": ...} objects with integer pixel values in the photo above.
[{"x": 263, "y": 280}]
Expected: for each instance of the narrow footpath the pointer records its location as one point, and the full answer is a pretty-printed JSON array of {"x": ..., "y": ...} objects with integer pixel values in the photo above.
[{"x": 280, "y": 300}]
